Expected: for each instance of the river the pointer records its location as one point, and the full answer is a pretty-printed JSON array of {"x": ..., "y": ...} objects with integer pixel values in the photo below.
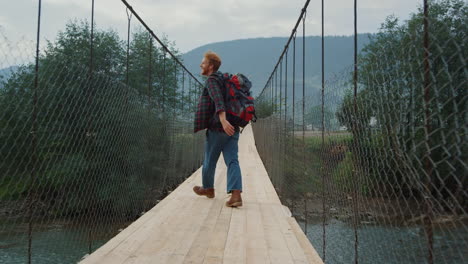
[
  {"x": 60, "y": 243},
  {"x": 387, "y": 244},
  {"x": 57, "y": 243}
]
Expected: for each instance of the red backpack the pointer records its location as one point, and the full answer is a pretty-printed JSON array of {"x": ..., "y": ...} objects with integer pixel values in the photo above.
[{"x": 240, "y": 105}]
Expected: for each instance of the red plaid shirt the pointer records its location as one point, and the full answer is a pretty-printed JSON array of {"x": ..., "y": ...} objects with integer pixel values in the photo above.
[{"x": 210, "y": 103}]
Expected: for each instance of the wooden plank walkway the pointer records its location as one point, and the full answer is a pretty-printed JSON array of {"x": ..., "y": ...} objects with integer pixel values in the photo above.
[{"x": 185, "y": 228}]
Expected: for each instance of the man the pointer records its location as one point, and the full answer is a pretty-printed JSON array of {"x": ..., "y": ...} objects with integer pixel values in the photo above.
[{"x": 221, "y": 136}]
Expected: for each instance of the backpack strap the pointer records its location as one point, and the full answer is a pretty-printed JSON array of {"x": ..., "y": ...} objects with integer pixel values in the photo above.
[{"x": 221, "y": 82}]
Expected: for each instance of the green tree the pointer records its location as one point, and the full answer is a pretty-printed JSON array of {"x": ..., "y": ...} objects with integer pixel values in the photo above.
[
  {"x": 391, "y": 89},
  {"x": 264, "y": 108},
  {"x": 314, "y": 117},
  {"x": 96, "y": 135}
]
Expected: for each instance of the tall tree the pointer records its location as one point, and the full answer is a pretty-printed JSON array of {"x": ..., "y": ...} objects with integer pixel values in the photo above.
[
  {"x": 94, "y": 130},
  {"x": 391, "y": 89}
]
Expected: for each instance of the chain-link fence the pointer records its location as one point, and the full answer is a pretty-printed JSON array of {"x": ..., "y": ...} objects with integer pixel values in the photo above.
[
  {"x": 93, "y": 134},
  {"x": 373, "y": 161}
]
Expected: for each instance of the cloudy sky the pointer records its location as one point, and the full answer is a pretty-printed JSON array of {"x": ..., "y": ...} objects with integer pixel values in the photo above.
[{"x": 192, "y": 23}]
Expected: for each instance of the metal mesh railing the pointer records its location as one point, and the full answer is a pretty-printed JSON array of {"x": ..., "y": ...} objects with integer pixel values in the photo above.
[
  {"x": 373, "y": 161},
  {"x": 93, "y": 134}
]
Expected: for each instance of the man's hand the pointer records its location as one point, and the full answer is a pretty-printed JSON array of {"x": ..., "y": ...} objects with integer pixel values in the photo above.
[{"x": 228, "y": 128}]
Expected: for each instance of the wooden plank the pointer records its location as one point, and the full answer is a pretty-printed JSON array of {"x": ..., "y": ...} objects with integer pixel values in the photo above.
[
  {"x": 175, "y": 240},
  {"x": 141, "y": 226},
  {"x": 256, "y": 247},
  {"x": 309, "y": 250},
  {"x": 213, "y": 260},
  {"x": 195, "y": 244},
  {"x": 259, "y": 189},
  {"x": 126, "y": 248},
  {"x": 289, "y": 236},
  {"x": 161, "y": 244},
  {"x": 277, "y": 247},
  {"x": 216, "y": 247},
  {"x": 200, "y": 245},
  {"x": 158, "y": 231},
  {"x": 234, "y": 251}
]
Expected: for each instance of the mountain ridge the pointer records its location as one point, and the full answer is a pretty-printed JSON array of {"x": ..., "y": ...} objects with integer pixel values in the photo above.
[{"x": 257, "y": 57}]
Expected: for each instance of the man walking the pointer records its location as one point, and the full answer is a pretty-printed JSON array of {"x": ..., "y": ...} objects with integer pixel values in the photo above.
[{"x": 221, "y": 136}]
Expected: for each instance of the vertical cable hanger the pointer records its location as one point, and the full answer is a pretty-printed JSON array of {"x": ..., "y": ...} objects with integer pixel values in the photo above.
[
  {"x": 323, "y": 140},
  {"x": 303, "y": 113},
  {"x": 355, "y": 202},
  {"x": 163, "y": 81},
  {"x": 286, "y": 94},
  {"x": 33, "y": 132},
  {"x": 129, "y": 17},
  {"x": 150, "y": 66},
  {"x": 293, "y": 103},
  {"x": 89, "y": 94}
]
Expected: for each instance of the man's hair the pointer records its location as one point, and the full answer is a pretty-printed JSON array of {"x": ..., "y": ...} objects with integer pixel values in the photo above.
[{"x": 213, "y": 59}]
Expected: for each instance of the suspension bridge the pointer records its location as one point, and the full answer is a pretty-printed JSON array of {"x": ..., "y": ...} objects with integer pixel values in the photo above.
[
  {"x": 364, "y": 165},
  {"x": 183, "y": 228}
]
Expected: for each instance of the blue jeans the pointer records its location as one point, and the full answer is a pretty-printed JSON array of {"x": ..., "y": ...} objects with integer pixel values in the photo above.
[{"x": 215, "y": 143}]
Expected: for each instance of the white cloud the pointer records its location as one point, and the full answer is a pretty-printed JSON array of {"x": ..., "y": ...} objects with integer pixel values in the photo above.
[
  {"x": 3, "y": 22},
  {"x": 191, "y": 23}
]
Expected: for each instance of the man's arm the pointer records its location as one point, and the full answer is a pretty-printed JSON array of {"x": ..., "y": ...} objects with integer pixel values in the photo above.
[
  {"x": 228, "y": 128},
  {"x": 214, "y": 90}
]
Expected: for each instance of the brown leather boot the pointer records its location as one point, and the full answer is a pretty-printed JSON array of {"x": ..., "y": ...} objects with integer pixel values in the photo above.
[
  {"x": 210, "y": 193},
  {"x": 236, "y": 199}
]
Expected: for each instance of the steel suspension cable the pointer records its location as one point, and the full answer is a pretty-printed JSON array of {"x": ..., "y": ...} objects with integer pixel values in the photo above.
[
  {"x": 158, "y": 40},
  {"x": 303, "y": 10},
  {"x": 150, "y": 66}
]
